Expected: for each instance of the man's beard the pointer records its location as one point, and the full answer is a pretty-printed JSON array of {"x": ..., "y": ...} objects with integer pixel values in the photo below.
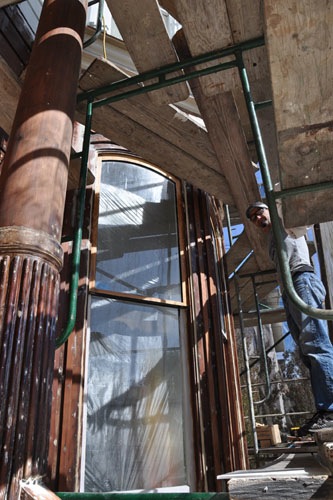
[{"x": 264, "y": 223}]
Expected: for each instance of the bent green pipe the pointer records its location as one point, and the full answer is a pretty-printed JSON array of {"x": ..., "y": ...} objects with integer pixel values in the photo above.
[
  {"x": 287, "y": 281},
  {"x": 76, "y": 252}
]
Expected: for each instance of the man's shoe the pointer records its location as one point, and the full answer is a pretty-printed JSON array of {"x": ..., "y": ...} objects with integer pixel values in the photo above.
[
  {"x": 324, "y": 422},
  {"x": 305, "y": 429}
]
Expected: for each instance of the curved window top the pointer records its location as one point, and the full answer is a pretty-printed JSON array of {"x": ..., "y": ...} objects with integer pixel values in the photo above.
[{"x": 137, "y": 243}]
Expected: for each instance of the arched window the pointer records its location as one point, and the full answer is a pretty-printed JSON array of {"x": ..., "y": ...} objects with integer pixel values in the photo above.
[{"x": 135, "y": 398}]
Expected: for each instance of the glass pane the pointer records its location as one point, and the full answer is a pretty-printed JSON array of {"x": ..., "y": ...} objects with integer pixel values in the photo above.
[
  {"x": 137, "y": 233},
  {"x": 134, "y": 402}
]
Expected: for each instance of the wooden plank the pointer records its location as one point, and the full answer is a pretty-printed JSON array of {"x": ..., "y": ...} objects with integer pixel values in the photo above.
[
  {"x": 14, "y": 28},
  {"x": 246, "y": 22},
  {"x": 299, "y": 38},
  {"x": 74, "y": 171},
  {"x": 267, "y": 318},
  {"x": 245, "y": 18},
  {"x": 206, "y": 28},
  {"x": 143, "y": 30},
  {"x": 238, "y": 252},
  {"x": 9, "y": 55},
  {"x": 234, "y": 257}
]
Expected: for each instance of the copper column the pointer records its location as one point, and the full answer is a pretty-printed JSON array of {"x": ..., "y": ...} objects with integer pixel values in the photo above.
[{"x": 32, "y": 196}]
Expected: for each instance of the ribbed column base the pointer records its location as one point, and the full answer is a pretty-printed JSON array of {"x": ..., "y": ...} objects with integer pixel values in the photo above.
[{"x": 29, "y": 291}]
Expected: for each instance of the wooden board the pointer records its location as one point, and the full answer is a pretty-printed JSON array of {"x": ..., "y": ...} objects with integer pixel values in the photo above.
[
  {"x": 74, "y": 170},
  {"x": 234, "y": 257},
  {"x": 143, "y": 30},
  {"x": 300, "y": 37},
  {"x": 267, "y": 318},
  {"x": 238, "y": 252},
  {"x": 34, "y": 491},
  {"x": 245, "y": 18},
  {"x": 223, "y": 24}
]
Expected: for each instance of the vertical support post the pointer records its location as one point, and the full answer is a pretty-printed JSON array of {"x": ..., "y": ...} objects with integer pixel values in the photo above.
[
  {"x": 248, "y": 375},
  {"x": 33, "y": 188},
  {"x": 262, "y": 343}
]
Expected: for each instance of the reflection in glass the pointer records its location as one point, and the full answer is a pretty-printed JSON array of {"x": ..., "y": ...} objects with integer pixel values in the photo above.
[
  {"x": 134, "y": 398},
  {"x": 137, "y": 248}
]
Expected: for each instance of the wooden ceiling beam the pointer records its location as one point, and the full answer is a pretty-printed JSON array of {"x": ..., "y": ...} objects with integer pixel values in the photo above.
[
  {"x": 206, "y": 27},
  {"x": 225, "y": 131},
  {"x": 147, "y": 41}
]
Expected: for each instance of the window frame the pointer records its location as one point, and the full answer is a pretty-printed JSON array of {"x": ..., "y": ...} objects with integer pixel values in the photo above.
[
  {"x": 93, "y": 290},
  {"x": 183, "y": 307}
]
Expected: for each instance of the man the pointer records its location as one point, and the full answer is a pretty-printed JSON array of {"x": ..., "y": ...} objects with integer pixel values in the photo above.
[{"x": 310, "y": 334}]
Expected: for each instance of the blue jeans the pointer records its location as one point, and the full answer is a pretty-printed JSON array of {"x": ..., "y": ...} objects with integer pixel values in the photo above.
[{"x": 311, "y": 335}]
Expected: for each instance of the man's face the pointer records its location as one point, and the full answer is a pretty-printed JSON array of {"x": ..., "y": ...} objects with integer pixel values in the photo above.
[{"x": 261, "y": 218}]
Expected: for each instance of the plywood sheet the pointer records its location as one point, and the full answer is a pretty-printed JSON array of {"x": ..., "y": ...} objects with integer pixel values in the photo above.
[
  {"x": 144, "y": 33},
  {"x": 300, "y": 40}
]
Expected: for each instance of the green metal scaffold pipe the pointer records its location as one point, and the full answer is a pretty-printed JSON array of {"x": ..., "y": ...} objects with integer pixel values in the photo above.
[
  {"x": 76, "y": 251},
  {"x": 325, "y": 314}
]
